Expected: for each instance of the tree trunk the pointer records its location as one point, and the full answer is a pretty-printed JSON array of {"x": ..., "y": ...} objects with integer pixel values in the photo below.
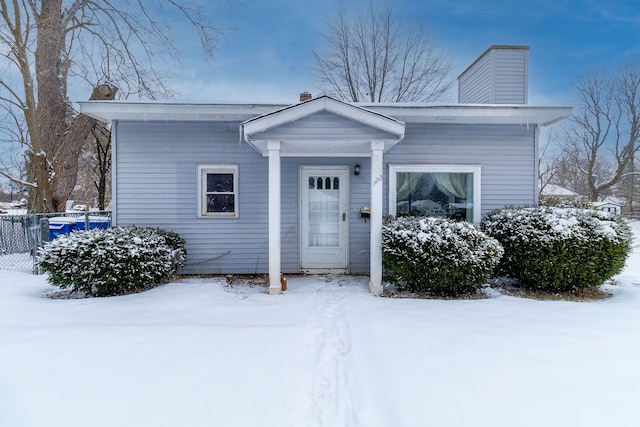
[
  {"x": 51, "y": 72},
  {"x": 69, "y": 148}
]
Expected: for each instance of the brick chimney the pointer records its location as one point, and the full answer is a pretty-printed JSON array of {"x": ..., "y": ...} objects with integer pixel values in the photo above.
[{"x": 305, "y": 96}]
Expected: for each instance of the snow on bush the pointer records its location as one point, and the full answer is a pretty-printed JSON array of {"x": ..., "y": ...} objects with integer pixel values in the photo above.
[
  {"x": 115, "y": 261},
  {"x": 437, "y": 256},
  {"x": 559, "y": 249}
]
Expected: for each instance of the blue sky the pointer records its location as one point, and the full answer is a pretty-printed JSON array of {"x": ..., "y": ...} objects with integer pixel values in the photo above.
[{"x": 268, "y": 58}]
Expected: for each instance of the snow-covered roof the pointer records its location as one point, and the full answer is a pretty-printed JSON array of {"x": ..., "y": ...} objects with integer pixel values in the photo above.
[
  {"x": 557, "y": 191},
  {"x": 517, "y": 114},
  {"x": 607, "y": 202}
]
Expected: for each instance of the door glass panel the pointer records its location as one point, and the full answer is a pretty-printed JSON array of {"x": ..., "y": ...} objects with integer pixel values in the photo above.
[{"x": 324, "y": 214}]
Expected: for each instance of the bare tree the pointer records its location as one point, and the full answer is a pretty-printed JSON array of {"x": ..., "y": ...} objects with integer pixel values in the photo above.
[
  {"x": 102, "y": 164},
  {"x": 48, "y": 43},
  {"x": 82, "y": 129},
  {"x": 372, "y": 57},
  {"x": 13, "y": 143},
  {"x": 549, "y": 162},
  {"x": 94, "y": 168},
  {"x": 603, "y": 139}
]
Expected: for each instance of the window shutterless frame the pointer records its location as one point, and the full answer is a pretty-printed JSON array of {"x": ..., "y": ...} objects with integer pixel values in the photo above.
[
  {"x": 217, "y": 191},
  {"x": 468, "y": 169}
]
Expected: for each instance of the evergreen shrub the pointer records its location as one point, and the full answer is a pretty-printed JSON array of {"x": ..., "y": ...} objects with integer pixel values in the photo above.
[
  {"x": 114, "y": 261},
  {"x": 437, "y": 256},
  {"x": 559, "y": 249}
]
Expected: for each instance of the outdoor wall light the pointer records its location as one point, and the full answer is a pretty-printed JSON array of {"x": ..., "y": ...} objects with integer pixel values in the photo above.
[{"x": 356, "y": 169}]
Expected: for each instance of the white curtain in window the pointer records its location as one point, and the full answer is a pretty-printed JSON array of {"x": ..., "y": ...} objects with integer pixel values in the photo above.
[
  {"x": 452, "y": 184},
  {"x": 406, "y": 183}
]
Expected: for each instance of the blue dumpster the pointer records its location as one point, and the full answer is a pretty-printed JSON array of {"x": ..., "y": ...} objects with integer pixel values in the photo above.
[
  {"x": 60, "y": 225},
  {"x": 94, "y": 222}
]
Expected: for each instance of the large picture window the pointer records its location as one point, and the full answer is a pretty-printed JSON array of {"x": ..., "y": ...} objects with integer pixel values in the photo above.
[
  {"x": 218, "y": 191},
  {"x": 449, "y": 191}
]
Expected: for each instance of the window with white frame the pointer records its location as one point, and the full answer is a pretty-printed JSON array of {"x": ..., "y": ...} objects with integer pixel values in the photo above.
[
  {"x": 435, "y": 190},
  {"x": 218, "y": 191}
]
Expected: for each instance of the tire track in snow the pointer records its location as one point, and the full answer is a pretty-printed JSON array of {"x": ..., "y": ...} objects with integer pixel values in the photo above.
[{"x": 326, "y": 400}]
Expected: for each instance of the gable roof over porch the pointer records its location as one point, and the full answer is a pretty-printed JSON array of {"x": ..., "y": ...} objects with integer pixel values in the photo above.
[{"x": 323, "y": 127}]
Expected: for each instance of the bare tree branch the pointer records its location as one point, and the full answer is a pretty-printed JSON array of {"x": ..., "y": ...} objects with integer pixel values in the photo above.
[
  {"x": 603, "y": 140},
  {"x": 50, "y": 44},
  {"x": 371, "y": 57},
  {"x": 18, "y": 180}
]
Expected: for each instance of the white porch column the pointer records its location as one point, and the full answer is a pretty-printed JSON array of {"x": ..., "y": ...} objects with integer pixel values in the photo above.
[
  {"x": 275, "y": 286},
  {"x": 375, "y": 260}
]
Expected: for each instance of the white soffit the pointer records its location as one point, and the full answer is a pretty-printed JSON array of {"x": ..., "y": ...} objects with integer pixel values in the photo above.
[
  {"x": 408, "y": 113},
  {"x": 162, "y": 111},
  {"x": 517, "y": 114}
]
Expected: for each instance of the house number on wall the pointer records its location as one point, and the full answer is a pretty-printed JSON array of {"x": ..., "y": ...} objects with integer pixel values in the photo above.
[{"x": 377, "y": 180}]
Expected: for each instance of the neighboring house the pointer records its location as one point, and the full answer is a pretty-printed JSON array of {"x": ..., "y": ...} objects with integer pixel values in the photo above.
[
  {"x": 257, "y": 188},
  {"x": 553, "y": 190},
  {"x": 609, "y": 205}
]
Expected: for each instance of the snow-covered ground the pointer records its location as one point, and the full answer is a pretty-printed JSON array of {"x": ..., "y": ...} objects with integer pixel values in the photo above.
[
  {"x": 12, "y": 208},
  {"x": 326, "y": 353}
]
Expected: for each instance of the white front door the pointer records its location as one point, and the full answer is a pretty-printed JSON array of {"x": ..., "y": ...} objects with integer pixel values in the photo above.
[{"x": 323, "y": 219}]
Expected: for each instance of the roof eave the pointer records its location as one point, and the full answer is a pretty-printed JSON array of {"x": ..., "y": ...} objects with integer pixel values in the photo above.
[
  {"x": 462, "y": 114},
  {"x": 107, "y": 111},
  {"x": 478, "y": 114}
]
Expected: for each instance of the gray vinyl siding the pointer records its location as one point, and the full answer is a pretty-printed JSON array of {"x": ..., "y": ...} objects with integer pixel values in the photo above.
[
  {"x": 504, "y": 153},
  {"x": 157, "y": 186},
  {"x": 499, "y": 76},
  {"x": 323, "y": 125},
  {"x": 156, "y": 182},
  {"x": 510, "y": 80},
  {"x": 476, "y": 84}
]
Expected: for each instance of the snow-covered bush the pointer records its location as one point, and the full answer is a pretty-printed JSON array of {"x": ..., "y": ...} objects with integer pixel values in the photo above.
[
  {"x": 114, "y": 261},
  {"x": 580, "y": 203},
  {"x": 559, "y": 249},
  {"x": 437, "y": 256}
]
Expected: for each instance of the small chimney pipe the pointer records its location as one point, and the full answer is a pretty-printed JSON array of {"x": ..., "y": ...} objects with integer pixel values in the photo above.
[{"x": 305, "y": 96}]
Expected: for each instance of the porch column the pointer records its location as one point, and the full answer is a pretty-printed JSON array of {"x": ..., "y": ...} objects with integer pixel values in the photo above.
[
  {"x": 375, "y": 251},
  {"x": 275, "y": 286}
]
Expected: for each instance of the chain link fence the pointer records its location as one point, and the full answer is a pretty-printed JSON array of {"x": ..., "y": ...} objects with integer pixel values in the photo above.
[{"x": 22, "y": 235}]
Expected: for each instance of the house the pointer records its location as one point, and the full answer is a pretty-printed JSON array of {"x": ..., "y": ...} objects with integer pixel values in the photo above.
[
  {"x": 609, "y": 205},
  {"x": 267, "y": 188},
  {"x": 558, "y": 192}
]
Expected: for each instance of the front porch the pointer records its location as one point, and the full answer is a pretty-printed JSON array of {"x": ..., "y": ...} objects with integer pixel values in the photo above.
[{"x": 324, "y": 128}]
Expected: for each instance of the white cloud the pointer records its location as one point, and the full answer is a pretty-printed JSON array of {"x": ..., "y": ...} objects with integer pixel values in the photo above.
[{"x": 240, "y": 90}]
